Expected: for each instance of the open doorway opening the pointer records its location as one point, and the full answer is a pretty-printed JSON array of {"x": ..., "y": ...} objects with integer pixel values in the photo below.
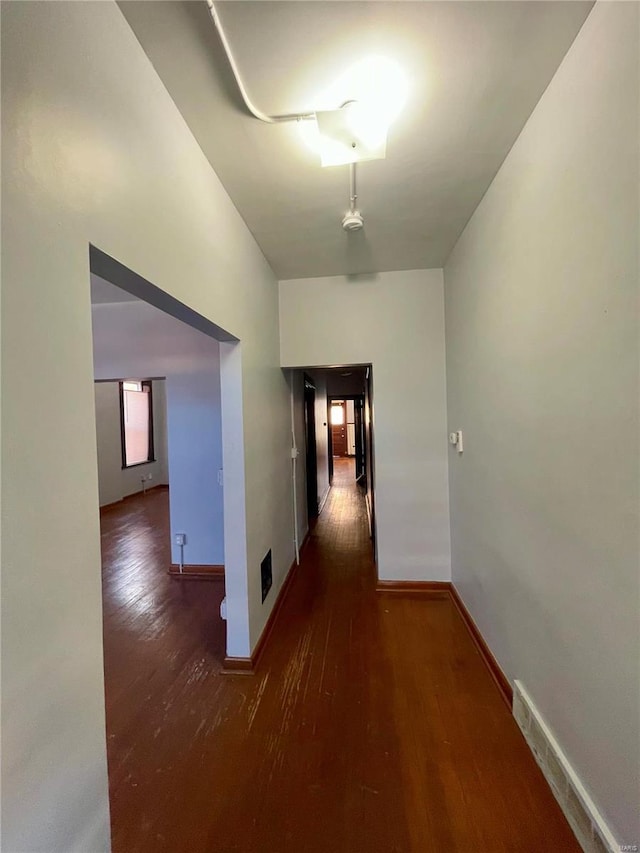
[
  {"x": 345, "y": 442},
  {"x": 163, "y": 376},
  {"x": 339, "y": 434},
  {"x": 158, "y": 421},
  {"x": 347, "y": 435},
  {"x": 168, "y": 396}
]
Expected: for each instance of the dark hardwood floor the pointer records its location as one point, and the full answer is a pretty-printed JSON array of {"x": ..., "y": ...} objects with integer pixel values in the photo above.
[{"x": 371, "y": 725}]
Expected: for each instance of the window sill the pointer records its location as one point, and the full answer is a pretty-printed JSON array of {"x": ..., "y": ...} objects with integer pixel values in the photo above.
[{"x": 138, "y": 464}]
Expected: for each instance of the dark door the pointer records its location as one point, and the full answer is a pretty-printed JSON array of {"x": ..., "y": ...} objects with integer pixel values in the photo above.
[{"x": 311, "y": 457}]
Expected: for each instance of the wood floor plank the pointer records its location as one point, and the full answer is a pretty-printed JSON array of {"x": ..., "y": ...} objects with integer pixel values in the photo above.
[{"x": 371, "y": 724}]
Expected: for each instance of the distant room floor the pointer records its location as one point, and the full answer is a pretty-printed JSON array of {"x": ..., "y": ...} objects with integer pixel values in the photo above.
[{"x": 371, "y": 725}]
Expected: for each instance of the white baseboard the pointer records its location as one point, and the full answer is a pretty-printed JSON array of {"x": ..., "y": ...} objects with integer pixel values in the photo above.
[{"x": 588, "y": 825}]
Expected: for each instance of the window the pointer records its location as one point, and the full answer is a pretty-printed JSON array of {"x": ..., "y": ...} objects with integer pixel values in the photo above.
[
  {"x": 136, "y": 422},
  {"x": 337, "y": 414}
]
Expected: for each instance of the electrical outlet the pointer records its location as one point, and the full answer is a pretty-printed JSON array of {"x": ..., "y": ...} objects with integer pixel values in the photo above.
[
  {"x": 181, "y": 538},
  {"x": 149, "y": 476}
]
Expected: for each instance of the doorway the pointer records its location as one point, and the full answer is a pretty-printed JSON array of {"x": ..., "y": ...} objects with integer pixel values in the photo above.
[
  {"x": 338, "y": 412},
  {"x": 206, "y": 529},
  {"x": 347, "y": 434}
]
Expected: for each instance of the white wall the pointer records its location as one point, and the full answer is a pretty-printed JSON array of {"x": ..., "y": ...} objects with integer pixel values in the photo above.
[
  {"x": 195, "y": 458},
  {"x": 114, "y": 482},
  {"x": 295, "y": 379},
  {"x": 322, "y": 434},
  {"x": 95, "y": 151},
  {"x": 399, "y": 330},
  {"x": 542, "y": 368}
]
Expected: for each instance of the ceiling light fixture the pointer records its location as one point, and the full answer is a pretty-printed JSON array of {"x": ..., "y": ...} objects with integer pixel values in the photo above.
[{"x": 352, "y": 134}]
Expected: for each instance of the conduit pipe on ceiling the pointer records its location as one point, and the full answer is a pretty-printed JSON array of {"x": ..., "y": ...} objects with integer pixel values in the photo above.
[
  {"x": 275, "y": 119},
  {"x": 236, "y": 73},
  {"x": 353, "y": 194}
]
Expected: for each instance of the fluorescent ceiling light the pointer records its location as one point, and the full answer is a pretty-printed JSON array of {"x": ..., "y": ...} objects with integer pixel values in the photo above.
[
  {"x": 375, "y": 90},
  {"x": 350, "y": 135}
]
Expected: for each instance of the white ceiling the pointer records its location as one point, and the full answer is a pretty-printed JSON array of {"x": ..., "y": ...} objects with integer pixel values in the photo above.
[
  {"x": 133, "y": 338},
  {"x": 476, "y": 71},
  {"x": 105, "y": 293}
]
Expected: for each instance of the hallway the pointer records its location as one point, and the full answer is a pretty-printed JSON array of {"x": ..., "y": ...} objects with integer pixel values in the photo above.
[{"x": 371, "y": 725}]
